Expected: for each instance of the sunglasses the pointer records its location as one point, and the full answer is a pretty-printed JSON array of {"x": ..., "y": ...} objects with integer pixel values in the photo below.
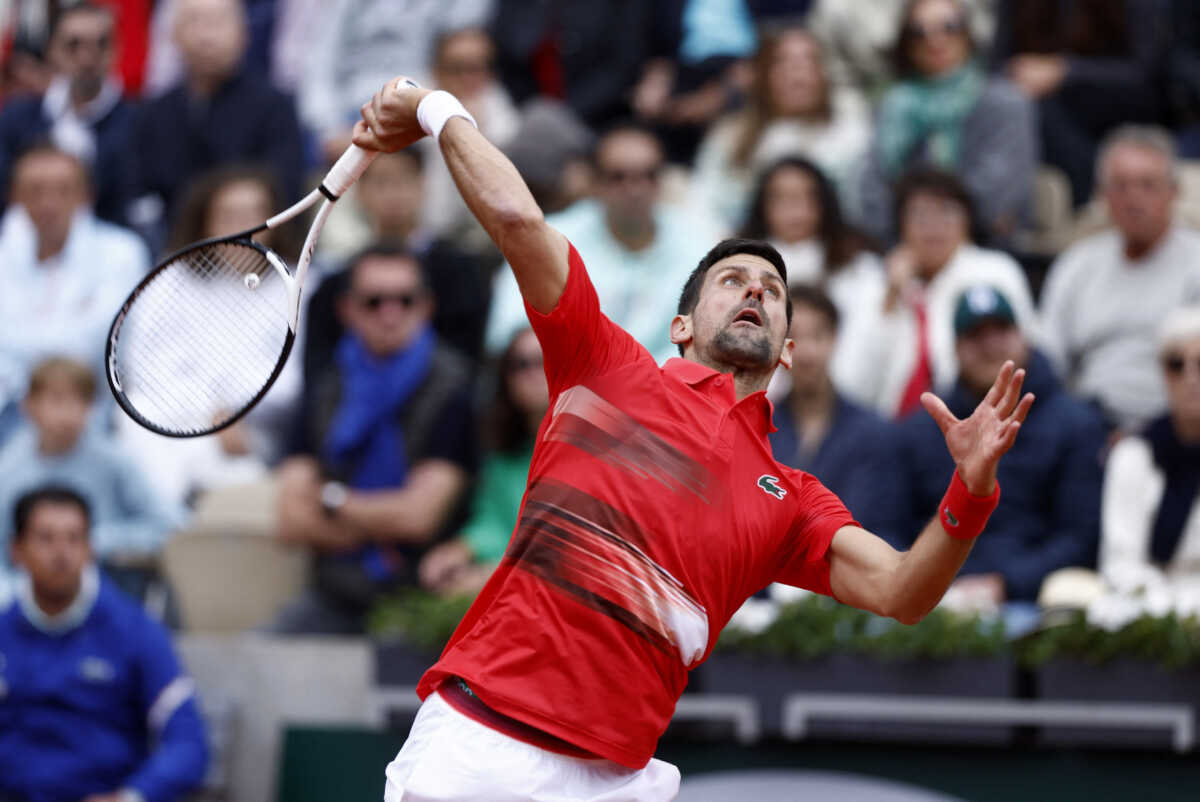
[
  {"x": 621, "y": 176},
  {"x": 376, "y": 301},
  {"x": 952, "y": 27},
  {"x": 1175, "y": 364}
]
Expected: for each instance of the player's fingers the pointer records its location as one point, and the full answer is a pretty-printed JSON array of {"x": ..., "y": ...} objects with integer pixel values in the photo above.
[
  {"x": 364, "y": 137},
  {"x": 1012, "y": 394},
  {"x": 1011, "y": 430},
  {"x": 996, "y": 392},
  {"x": 1023, "y": 408},
  {"x": 938, "y": 410}
]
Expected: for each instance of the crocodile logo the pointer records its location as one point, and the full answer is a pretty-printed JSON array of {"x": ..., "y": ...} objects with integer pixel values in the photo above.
[{"x": 770, "y": 486}]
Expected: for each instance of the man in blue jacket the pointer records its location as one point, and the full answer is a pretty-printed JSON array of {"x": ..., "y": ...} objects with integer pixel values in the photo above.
[
  {"x": 93, "y": 705},
  {"x": 1049, "y": 513}
]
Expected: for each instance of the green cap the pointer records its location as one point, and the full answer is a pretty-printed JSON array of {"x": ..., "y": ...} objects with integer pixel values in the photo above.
[{"x": 978, "y": 304}]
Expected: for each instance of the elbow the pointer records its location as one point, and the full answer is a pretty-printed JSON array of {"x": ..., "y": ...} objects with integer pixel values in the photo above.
[{"x": 514, "y": 219}]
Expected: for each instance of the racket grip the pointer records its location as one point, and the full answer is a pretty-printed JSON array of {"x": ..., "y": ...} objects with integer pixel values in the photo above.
[{"x": 346, "y": 170}]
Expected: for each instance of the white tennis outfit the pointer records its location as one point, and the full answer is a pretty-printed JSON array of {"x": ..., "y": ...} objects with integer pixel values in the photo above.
[{"x": 450, "y": 757}]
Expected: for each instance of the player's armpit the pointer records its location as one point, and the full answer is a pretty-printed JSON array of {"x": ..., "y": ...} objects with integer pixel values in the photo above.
[{"x": 863, "y": 570}]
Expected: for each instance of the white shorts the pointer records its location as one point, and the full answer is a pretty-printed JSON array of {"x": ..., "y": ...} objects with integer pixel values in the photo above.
[{"x": 450, "y": 757}]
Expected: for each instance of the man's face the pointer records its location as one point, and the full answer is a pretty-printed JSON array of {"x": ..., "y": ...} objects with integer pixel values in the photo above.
[
  {"x": 386, "y": 305},
  {"x": 741, "y": 318},
  {"x": 390, "y": 192},
  {"x": 984, "y": 349},
  {"x": 628, "y": 165},
  {"x": 815, "y": 338},
  {"x": 59, "y": 413},
  {"x": 211, "y": 35},
  {"x": 82, "y": 50},
  {"x": 1139, "y": 191},
  {"x": 933, "y": 227},
  {"x": 51, "y": 186},
  {"x": 54, "y": 550},
  {"x": 464, "y": 67}
]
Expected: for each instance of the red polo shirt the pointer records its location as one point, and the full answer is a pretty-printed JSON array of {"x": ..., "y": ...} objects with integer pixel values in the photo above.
[{"x": 654, "y": 509}]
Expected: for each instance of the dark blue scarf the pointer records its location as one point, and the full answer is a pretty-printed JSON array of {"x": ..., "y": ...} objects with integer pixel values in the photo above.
[
  {"x": 364, "y": 439},
  {"x": 1180, "y": 464}
]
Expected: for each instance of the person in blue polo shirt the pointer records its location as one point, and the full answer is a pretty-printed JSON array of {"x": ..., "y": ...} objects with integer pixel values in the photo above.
[
  {"x": 1049, "y": 513},
  {"x": 93, "y": 705}
]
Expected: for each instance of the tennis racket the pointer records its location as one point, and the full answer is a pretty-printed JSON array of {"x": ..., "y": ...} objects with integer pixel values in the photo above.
[{"x": 202, "y": 338}]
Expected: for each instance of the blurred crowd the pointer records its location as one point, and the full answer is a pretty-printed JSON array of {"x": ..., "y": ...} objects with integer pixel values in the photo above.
[{"x": 952, "y": 183}]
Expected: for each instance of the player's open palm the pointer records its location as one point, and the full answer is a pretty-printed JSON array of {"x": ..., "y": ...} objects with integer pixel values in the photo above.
[{"x": 976, "y": 443}]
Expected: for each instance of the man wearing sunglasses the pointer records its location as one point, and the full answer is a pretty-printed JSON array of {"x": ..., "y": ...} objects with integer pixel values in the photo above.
[
  {"x": 653, "y": 511},
  {"x": 384, "y": 446},
  {"x": 82, "y": 112}
]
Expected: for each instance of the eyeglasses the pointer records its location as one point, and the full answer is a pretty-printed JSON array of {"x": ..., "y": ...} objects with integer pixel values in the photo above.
[
  {"x": 618, "y": 176},
  {"x": 376, "y": 301},
  {"x": 950, "y": 27},
  {"x": 1175, "y": 364}
]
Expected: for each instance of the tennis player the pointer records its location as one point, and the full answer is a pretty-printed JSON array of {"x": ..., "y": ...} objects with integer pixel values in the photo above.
[{"x": 653, "y": 510}]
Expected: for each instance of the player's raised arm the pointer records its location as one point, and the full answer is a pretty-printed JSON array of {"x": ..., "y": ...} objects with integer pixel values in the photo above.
[
  {"x": 487, "y": 180},
  {"x": 866, "y": 572}
]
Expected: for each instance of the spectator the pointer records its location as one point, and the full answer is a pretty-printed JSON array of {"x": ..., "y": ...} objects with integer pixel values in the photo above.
[
  {"x": 795, "y": 208},
  {"x": 1049, "y": 513},
  {"x": 64, "y": 272},
  {"x": 462, "y": 566},
  {"x": 859, "y": 38},
  {"x": 633, "y": 244},
  {"x": 554, "y": 50},
  {"x": 1100, "y": 342},
  {"x": 820, "y": 431},
  {"x": 130, "y": 522},
  {"x": 95, "y": 704},
  {"x": 362, "y": 45},
  {"x": 389, "y": 198},
  {"x": 384, "y": 451},
  {"x": 463, "y": 65},
  {"x": 905, "y": 344},
  {"x": 1151, "y": 536},
  {"x": 1090, "y": 66},
  {"x": 218, "y": 113},
  {"x": 82, "y": 111},
  {"x": 791, "y": 109},
  {"x": 947, "y": 113},
  {"x": 551, "y": 151}
]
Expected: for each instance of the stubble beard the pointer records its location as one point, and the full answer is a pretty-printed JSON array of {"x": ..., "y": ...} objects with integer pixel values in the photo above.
[{"x": 747, "y": 349}]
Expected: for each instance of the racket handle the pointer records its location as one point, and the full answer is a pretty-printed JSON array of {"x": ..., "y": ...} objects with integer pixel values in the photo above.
[{"x": 346, "y": 170}]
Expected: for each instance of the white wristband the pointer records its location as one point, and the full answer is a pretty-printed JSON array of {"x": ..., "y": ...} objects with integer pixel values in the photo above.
[{"x": 436, "y": 108}]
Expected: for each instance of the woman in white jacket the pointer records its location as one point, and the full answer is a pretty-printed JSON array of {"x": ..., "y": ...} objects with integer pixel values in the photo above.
[
  {"x": 1150, "y": 522},
  {"x": 903, "y": 344}
]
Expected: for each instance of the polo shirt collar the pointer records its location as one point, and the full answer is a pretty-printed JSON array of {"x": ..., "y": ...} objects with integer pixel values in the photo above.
[
  {"x": 693, "y": 373},
  {"x": 68, "y": 619}
]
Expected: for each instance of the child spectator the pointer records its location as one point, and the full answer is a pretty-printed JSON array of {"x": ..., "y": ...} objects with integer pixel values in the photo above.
[{"x": 129, "y": 522}]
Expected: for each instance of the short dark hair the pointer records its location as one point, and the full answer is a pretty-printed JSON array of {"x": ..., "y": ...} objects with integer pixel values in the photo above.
[
  {"x": 624, "y": 126},
  {"x": 44, "y": 146},
  {"x": 46, "y": 494},
  {"x": 813, "y": 297},
  {"x": 83, "y": 6},
  {"x": 939, "y": 183},
  {"x": 690, "y": 296},
  {"x": 386, "y": 249}
]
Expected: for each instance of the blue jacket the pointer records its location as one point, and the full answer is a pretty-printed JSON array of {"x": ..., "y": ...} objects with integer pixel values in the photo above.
[
  {"x": 1049, "y": 512},
  {"x": 852, "y": 460},
  {"x": 94, "y": 702},
  {"x": 23, "y": 123}
]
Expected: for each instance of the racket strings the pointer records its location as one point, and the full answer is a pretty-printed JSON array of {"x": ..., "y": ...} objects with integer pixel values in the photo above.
[{"x": 198, "y": 343}]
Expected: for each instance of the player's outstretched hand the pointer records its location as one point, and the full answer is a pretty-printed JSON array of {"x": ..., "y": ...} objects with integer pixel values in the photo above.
[
  {"x": 389, "y": 119},
  {"x": 978, "y": 442}
]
